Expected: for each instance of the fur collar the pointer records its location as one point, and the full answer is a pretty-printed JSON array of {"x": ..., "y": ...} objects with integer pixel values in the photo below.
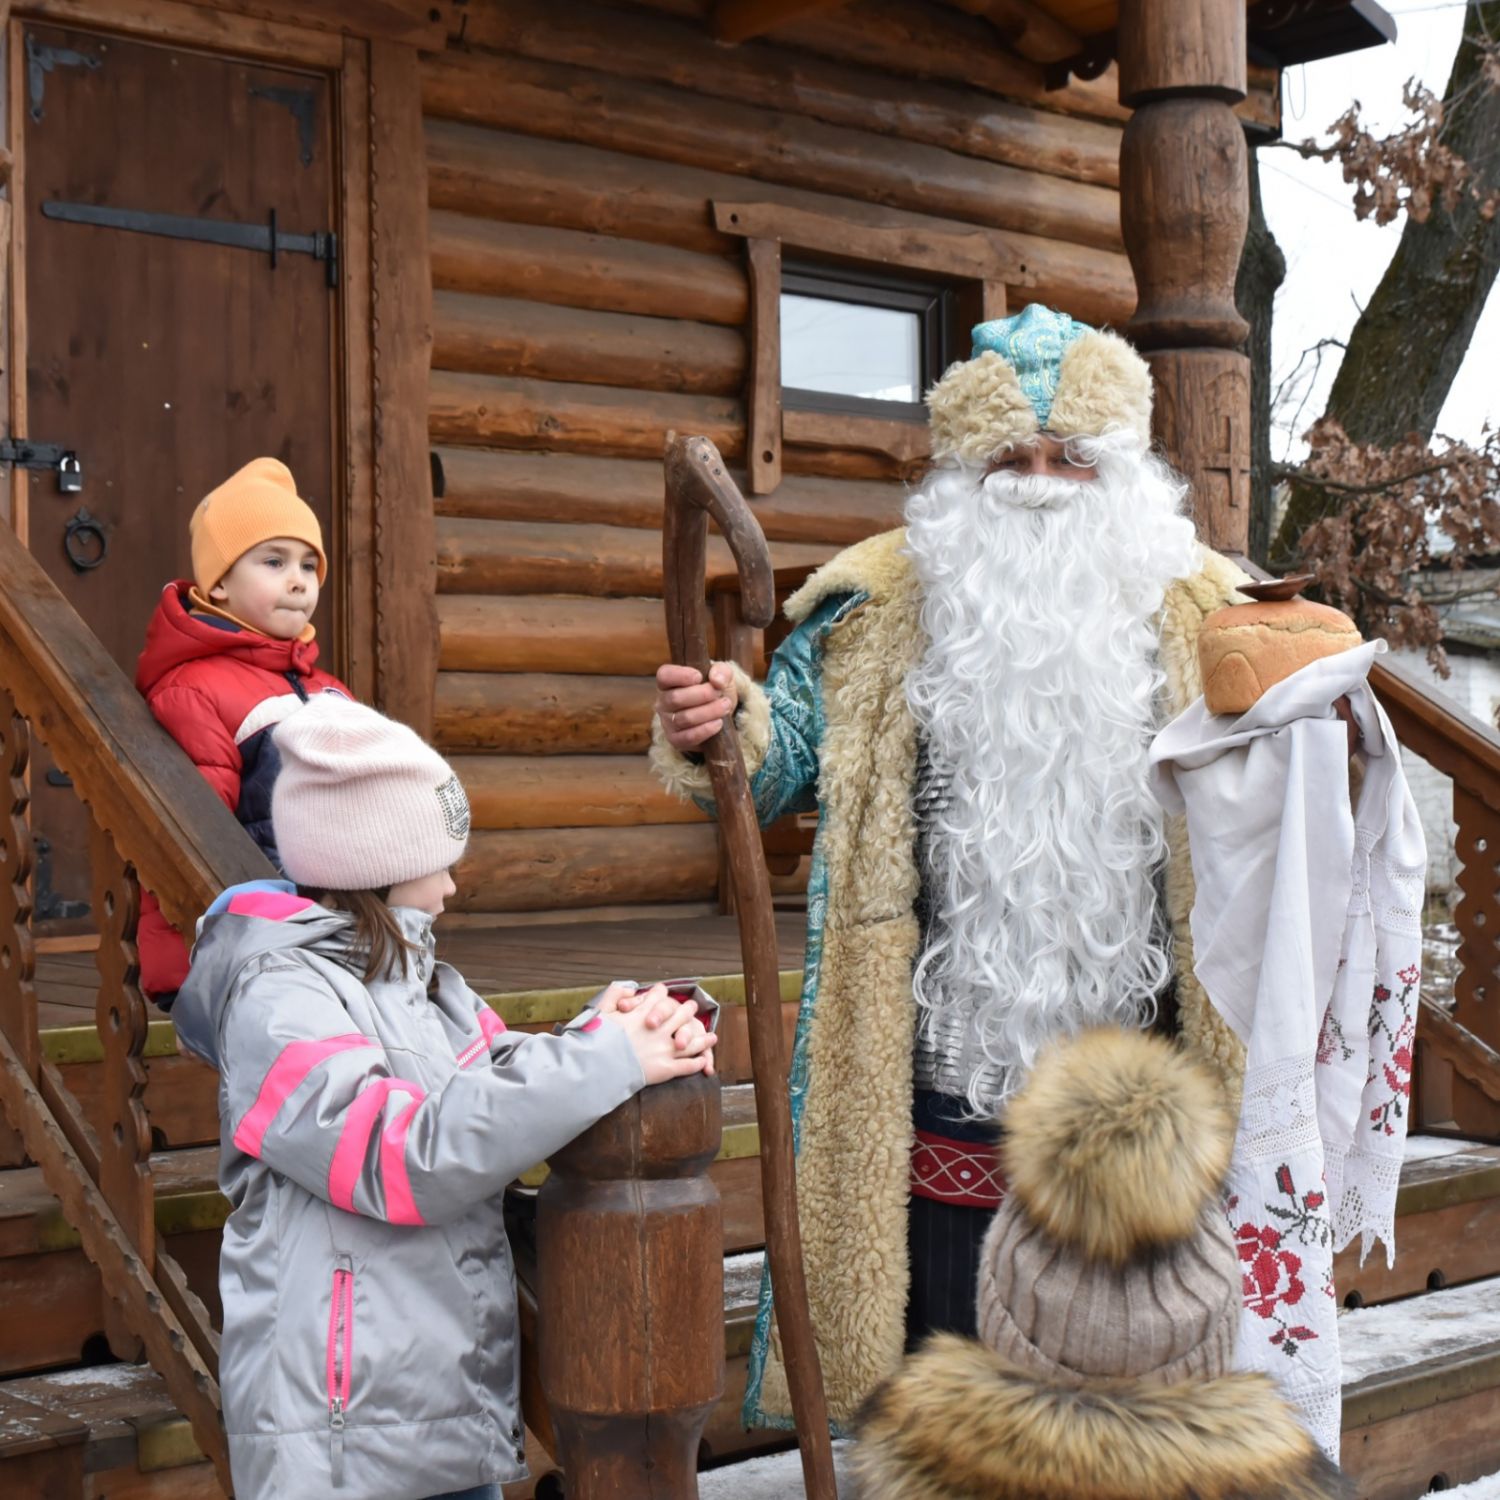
[
  {"x": 957, "y": 1423},
  {"x": 875, "y": 567}
]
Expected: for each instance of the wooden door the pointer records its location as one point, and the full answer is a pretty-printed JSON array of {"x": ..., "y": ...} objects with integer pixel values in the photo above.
[{"x": 164, "y": 363}]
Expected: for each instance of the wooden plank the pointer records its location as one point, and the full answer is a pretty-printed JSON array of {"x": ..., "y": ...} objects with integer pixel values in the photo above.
[
  {"x": 414, "y": 23},
  {"x": 531, "y": 180},
  {"x": 578, "y": 490},
  {"x": 543, "y": 713},
  {"x": 212, "y": 27},
  {"x": 1027, "y": 29},
  {"x": 763, "y": 396},
  {"x": 1456, "y": 1441},
  {"x": 356, "y": 546},
  {"x": 535, "y": 557},
  {"x": 577, "y": 269},
  {"x": 1444, "y": 1247},
  {"x": 568, "y": 791},
  {"x": 486, "y": 409},
  {"x": 952, "y": 252},
  {"x": 405, "y": 626},
  {"x": 530, "y": 633},
  {"x": 913, "y": 39},
  {"x": 531, "y": 869},
  {"x": 508, "y": 336},
  {"x": 906, "y": 444},
  {"x": 665, "y": 49},
  {"x": 664, "y": 124},
  {"x": 740, "y": 20}
]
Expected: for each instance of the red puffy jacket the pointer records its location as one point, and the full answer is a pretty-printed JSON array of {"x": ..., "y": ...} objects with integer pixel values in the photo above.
[{"x": 219, "y": 690}]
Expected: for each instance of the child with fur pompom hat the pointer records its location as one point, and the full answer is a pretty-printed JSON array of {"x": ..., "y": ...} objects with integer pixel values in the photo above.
[{"x": 1109, "y": 1300}]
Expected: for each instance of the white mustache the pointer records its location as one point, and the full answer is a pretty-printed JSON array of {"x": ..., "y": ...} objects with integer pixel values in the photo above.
[{"x": 1033, "y": 491}]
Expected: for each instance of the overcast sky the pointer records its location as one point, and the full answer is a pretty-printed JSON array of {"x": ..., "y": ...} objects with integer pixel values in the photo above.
[{"x": 1333, "y": 261}]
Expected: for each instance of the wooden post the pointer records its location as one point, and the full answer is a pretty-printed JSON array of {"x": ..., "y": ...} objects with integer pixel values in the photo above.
[
  {"x": 631, "y": 1306},
  {"x": 1184, "y": 209}
]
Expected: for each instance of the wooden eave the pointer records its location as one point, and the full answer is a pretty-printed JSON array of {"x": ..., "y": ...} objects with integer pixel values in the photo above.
[{"x": 1077, "y": 37}]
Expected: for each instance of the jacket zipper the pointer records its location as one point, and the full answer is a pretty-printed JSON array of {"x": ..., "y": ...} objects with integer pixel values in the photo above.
[{"x": 340, "y": 1356}]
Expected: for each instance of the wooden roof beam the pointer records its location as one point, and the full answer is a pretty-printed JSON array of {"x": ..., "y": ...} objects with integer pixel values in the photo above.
[
  {"x": 739, "y": 20},
  {"x": 1027, "y": 29}
]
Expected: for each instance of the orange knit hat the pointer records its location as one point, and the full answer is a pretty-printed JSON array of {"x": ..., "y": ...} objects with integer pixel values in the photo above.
[{"x": 254, "y": 505}]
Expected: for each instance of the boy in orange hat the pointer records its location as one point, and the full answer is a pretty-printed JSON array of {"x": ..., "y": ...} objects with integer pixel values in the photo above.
[{"x": 228, "y": 655}]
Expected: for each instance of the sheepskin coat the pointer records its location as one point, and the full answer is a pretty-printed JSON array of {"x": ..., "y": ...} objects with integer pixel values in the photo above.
[
  {"x": 958, "y": 1423},
  {"x": 832, "y": 729}
]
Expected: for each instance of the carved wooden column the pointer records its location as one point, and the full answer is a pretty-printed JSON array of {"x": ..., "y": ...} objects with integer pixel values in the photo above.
[
  {"x": 1184, "y": 207},
  {"x": 630, "y": 1257}
]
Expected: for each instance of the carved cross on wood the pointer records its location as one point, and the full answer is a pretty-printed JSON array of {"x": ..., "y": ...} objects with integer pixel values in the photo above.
[{"x": 1229, "y": 464}]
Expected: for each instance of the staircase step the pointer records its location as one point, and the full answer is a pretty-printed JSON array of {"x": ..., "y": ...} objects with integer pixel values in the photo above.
[
  {"x": 1447, "y": 1229},
  {"x": 1422, "y": 1391}
]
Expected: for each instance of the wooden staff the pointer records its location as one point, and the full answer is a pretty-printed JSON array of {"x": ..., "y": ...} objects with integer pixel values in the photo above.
[{"x": 698, "y": 485}]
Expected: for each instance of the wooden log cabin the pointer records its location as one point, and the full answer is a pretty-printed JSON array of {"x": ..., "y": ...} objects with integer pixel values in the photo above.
[{"x": 464, "y": 265}]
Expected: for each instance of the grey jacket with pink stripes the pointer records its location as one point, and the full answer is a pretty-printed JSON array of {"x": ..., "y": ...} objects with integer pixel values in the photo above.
[{"x": 370, "y": 1343}]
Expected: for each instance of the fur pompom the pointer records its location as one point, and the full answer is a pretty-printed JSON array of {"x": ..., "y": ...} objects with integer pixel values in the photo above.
[{"x": 1116, "y": 1142}]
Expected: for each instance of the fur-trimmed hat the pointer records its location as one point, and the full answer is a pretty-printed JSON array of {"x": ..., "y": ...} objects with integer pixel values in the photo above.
[
  {"x": 1038, "y": 371},
  {"x": 1109, "y": 1299}
]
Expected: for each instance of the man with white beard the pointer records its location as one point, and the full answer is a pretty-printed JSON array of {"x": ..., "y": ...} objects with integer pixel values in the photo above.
[{"x": 968, "y": 704}]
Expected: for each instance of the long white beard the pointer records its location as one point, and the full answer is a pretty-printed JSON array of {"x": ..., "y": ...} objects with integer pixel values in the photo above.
[{"x": 1038, "y": 694}]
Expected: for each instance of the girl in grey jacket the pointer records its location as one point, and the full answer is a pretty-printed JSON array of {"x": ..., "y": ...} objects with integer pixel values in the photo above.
[{"x": 373, "y": 1109}]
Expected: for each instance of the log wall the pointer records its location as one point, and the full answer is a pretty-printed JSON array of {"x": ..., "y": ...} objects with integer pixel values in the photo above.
[{"x": 585, "y": 305}]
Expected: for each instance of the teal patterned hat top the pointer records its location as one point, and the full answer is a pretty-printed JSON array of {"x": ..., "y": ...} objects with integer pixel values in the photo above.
[{"x": 1032, "y": 343}]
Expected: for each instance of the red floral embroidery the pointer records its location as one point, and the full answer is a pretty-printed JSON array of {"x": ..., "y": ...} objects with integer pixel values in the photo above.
[
  {"x": 1272, "y": 1280},
  {"x": 1400, "y": 1036},
  {"x": 1272, "y": 1275}
]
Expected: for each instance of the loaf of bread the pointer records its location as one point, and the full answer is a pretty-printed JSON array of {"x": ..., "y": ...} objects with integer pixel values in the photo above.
[{"x": 1247, "y": 648}]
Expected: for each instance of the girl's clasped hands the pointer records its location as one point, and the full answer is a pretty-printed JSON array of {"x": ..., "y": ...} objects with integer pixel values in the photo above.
[{"x": 669, "y": 1039}]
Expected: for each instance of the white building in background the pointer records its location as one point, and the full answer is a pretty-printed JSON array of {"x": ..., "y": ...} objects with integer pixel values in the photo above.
[{"x": 1472, "y": 639}]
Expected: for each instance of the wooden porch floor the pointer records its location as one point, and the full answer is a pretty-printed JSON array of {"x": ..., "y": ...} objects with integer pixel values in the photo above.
[{"x": 508, "y": 960}]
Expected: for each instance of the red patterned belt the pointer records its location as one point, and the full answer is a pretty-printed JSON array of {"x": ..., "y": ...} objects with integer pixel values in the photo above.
[{"x": 961, "y": 1172}]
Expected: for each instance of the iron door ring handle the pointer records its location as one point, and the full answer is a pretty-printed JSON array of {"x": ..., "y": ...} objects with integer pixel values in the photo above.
[{"x": 83, "y": 525}]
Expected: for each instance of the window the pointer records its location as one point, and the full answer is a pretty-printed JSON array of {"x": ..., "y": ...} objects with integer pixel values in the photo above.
[{"x": 862, "y": 341}]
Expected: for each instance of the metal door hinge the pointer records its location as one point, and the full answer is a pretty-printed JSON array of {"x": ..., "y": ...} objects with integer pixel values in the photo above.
[{"x": 266, "y": 238}]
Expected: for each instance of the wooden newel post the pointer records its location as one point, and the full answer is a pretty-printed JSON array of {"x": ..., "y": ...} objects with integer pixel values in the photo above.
[
  {"x": 1184, "y": 210},
  {"x": 630, "y": 1247}
]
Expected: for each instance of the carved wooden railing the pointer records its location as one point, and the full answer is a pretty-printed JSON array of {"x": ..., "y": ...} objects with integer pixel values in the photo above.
[
  {"x": 152, "y": 814},
  {"x": 1457, "y": 1073}
]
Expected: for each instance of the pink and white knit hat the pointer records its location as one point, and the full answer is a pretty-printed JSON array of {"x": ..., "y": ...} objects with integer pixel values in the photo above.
[{"x": 362, "y": 802}]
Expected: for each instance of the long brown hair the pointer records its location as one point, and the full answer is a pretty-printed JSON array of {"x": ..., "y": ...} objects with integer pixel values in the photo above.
[{"x": 376, "y": 932}]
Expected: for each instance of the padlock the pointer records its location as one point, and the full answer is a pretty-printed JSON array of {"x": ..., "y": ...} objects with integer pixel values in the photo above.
[{"x": 70, "y": 474}]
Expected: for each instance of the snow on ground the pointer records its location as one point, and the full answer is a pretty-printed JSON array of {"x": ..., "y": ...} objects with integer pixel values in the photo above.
[
  {"x": 778, "y": 1476},
  {"x": 1425, "y": 1147},
  {"x": 742, "y": 1278},
  {"x": 1480, "y": 1489},
  {"x": 1397, "y": 1334}
]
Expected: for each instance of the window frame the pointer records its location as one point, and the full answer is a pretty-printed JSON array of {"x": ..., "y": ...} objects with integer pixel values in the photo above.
[{"x": 933, "y": 300}]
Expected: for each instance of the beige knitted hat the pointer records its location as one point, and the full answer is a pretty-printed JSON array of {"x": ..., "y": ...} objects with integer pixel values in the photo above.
[
  {"x": 1110, "y": 1257},
  {"x": 362, "y": 802}
]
